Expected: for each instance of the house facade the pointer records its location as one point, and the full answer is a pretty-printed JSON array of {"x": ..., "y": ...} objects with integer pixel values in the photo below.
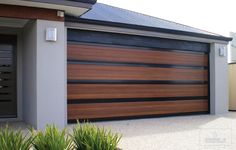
[{"x": 63, "y": 61}]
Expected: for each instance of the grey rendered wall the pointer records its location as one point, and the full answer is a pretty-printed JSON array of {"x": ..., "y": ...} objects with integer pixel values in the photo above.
[
  {"x": 29, "y": 74},
  {"x": 44, "y": 75},
  {"x": 218, "y": 81},
  {"x": 51, "y": 76},
  {"x": 232, "y": 50}
]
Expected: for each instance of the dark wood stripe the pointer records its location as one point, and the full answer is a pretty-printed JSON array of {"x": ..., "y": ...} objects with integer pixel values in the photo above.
[
  {"x": 135, "y": 82},
  {"x": 104, "y": 110},
  {"x": 97, "y": 72},
  {"x": 99, "y": 91},
  {"x": 118, "y": 100},
  {"x": 23, "y": 12},
  {"x": 136, "y": 48},
  {"x": 75, "y": 35},
  {"x": 135, "y": 55},
  {"x": 70, "y": 121},
  {"x": 105, "y": 63}
]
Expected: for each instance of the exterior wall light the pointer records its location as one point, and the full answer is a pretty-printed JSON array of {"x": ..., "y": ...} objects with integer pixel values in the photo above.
[
  {"x": 51, "y": 34},
  {"x": 222, "y": 51}
]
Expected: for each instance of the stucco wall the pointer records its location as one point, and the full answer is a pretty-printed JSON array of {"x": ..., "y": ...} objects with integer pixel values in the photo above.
[
  {"x": 51, "y": 76},
  {"x": 232, "y": 50},
  {"x": 218, "y": 81},
  {"x": 29, "y": 74},
  {"x": 44, "y": 77}
]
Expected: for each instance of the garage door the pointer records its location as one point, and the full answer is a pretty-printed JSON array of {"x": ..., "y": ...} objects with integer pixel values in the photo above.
[{"x": 124, "y": 76}]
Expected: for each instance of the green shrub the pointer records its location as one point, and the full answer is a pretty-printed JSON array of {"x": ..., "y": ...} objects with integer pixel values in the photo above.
[
  {"x": 90, "y": 137},
  {"x": 14, "y": 140},
  {"x": 52, "y": 139}
]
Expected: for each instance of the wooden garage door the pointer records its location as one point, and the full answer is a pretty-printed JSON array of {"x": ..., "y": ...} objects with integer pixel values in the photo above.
[{"x": 121, "y": 81}]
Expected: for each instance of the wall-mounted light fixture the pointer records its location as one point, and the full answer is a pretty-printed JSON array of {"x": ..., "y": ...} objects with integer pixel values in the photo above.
[
  {"x": 60, "y": 14},
  {"x": 222, "y": 51},
  {"x": 51, "y": 34}
]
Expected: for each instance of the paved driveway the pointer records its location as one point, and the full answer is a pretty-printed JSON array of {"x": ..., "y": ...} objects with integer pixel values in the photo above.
[{"x": 204, "y": 132}]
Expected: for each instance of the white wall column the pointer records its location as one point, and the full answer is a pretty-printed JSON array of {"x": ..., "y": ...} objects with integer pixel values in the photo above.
[
  {"x": 218, "y": 80},
  {"x": 51, "y": 76},
  {"x": 44, "y": 75}
]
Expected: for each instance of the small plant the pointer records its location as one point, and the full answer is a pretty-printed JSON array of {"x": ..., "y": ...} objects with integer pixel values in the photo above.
[
  {"x": 14, "y": 140},
  {"x": 52, "y": 139},
  {"x": 90, "y": 137}
]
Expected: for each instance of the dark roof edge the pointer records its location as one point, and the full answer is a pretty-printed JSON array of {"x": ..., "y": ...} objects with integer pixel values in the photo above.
[
  {"x": 130, "y": 26},
  {"x": 85, "y": 1}
]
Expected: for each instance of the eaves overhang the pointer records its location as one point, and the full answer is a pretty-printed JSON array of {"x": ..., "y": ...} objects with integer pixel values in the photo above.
[{"x": 145, "y": 28}]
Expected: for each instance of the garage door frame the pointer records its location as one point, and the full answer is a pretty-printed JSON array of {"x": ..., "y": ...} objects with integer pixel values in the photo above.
[{"x": 91, "y": 36}]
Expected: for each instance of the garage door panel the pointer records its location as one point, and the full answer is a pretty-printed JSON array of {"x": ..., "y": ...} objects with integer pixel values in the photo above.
[
  {"x": 103, "y": 72},
  {"x": 107, "y": 110},
  {"x": 117, "y": 76},
  {"x": 138, "y": 55},
  {"x": 98, "y": 91}
]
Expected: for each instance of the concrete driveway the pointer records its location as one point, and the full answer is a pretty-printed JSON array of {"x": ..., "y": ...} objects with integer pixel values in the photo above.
[{"x": 204, "y": 132}]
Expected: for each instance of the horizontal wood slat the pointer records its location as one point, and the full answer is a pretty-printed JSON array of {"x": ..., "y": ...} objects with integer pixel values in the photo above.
[
  {"x": 93, "y": 91},
  {"x": 102, "y": 53},
  {"x": 96, "y": 72},
  {"x": 107, "y": 110}
]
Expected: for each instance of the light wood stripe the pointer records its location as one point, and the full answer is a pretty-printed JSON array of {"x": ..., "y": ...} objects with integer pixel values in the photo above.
[
  {"x": 96, "y": 72},
  {"x": 102, "y": 53},
  {"x": 97, "y": 91},
  {"x": 105, "y": 110}
]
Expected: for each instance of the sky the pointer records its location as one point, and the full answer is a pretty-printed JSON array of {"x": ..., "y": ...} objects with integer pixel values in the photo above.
[{"x": 217, "y": 16}]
